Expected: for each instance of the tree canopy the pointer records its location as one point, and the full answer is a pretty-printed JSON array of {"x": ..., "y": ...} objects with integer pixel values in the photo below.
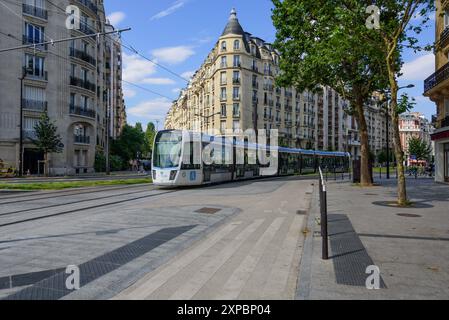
[{"x": 419, "y": 148}]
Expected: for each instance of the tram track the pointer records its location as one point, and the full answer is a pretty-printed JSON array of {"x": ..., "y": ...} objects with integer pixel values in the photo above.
[
  {"x": 85, "y": 208},
  {"x": 72, "y": 202},
  {"x": 65, "y": 193}
]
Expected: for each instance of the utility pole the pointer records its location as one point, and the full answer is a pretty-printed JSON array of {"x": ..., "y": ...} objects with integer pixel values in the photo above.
[{"x": 108, "y": 169}]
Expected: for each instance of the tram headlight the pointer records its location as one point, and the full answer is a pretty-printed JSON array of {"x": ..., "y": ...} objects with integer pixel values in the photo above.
[{"x": 173, "y": 175}]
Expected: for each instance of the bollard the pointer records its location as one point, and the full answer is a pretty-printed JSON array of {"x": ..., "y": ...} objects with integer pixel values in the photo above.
[{"x": 325, "y": 249}]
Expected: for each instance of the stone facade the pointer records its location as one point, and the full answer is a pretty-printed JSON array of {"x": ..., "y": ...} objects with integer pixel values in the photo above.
[{"x": 68, "y": 79}]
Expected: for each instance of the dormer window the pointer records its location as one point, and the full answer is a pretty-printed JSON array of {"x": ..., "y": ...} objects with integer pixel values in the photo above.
[
  {"x": 223, "y": 46},
  {"x": 236, "y": 45}
]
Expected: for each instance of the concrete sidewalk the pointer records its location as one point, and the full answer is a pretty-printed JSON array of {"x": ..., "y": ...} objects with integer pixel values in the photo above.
[{"x": 409, "y": 245}]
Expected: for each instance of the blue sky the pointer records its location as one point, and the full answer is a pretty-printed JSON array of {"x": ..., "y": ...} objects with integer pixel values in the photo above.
[{"x": 180, "y": 33}]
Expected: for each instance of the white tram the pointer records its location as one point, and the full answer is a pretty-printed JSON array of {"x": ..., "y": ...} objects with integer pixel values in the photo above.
[{"x": 184, "y": 158}]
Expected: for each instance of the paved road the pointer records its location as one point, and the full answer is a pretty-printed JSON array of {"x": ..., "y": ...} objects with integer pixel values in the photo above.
[{"x": 238, "y": 240}]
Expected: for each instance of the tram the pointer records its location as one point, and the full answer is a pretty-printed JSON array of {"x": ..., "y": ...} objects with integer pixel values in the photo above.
[{"x": 185, "y": 158}]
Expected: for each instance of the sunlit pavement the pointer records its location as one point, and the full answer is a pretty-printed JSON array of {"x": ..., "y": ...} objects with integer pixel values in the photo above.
[{"x": 409, "y": 245}]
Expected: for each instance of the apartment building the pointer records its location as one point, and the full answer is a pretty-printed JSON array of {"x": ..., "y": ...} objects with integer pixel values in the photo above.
[
  {"x": 436, "y": 87},
  {"x": 413, "y": 124},
  {"x": 235, "y": 89},
  {"x": 69, "y": 79}
]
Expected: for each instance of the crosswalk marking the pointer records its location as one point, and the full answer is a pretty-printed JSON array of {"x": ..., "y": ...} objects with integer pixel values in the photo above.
[
  {"x": 237, "y": 280},
  {"x": 197, "y": 281},
  {"x": 151, "y": 283}
]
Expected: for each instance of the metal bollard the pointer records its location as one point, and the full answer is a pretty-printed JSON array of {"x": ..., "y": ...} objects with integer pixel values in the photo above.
[{"x": 325, "y": 249}]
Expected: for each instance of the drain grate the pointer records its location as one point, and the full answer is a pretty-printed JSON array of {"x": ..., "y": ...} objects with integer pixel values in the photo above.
[
  {"x": 208, "y": 210},
  {"x": 409, "y": 215}
]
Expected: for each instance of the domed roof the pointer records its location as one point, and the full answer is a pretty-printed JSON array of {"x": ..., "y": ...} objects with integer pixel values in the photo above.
[{"x": 233, "y": 26}]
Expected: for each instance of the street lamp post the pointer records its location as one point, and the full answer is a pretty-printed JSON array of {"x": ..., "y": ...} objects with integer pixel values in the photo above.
[{"x": 24, "y": 73}]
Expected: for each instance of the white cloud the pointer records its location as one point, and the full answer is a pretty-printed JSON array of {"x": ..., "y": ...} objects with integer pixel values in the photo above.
[
  {"x": 188, "y": 74},
  {"x": 173, "y": 55},
  {"x": 136, "y": 69},
  {"x": 129, "y": 93},
  {"x": 173, "y": 8},
  {"x": 419, "y": 69},
  {"x": 158, "y": 81},
  {"x": 116, "y": 17},
  {"x": 155, "y": 109}
]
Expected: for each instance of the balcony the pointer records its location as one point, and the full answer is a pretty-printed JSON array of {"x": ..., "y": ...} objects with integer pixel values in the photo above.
[
  {"x": 443, "y": 123},
  {"x": 81, "y": 139},
  {"x": 35, "y": 11},
  {"x": 75, "y": 53},
  {"x": 438, "y": 77},
  {"x": 223, "y": 82},
  {"x": 80, "y": 111},
  {"x": 255, "y": 69},
  {"x": 34, "y": 105},
  {"x": 223, "y": 65},
  {"x": 37, "y": 74},
  {"x": 236, "y": 98},
  {"x": 31, "y": 40},
  {"x": 90, "y": 5},
  {"x": 256, "y": 85},
  {"x": 86, "y": 29},
  {"x": 236, "y": 81},
  {"x": 444, "y": 39},
  {"x": 82, "y": 84}
]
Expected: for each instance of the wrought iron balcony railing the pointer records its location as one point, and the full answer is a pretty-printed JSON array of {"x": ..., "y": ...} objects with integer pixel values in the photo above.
[
  {"x": 81, "y": 139},
  {"x": 82, "y": 56},
  {"x": 34, "y": 105},
  {"x": 82, "y": 111},
  {"x": 435, "y": 79},
  {"x": 82, "y": 83}
]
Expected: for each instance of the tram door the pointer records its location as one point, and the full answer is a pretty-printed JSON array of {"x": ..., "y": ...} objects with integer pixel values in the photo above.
[{"x": 207, "y": 169}]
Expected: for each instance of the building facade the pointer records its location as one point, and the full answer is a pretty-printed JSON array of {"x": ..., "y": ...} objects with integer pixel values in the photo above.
[
  {"x": 68, "y": 79},
  {"x": 436, "y": 87},
  {"x": 235, "y": 89},
  {"x": 413, "y": 124}
]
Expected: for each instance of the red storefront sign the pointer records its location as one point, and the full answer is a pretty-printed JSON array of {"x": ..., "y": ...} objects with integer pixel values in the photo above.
[{"x": 440, "y": 135}]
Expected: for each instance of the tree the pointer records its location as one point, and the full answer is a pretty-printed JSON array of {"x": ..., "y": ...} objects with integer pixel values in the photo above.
[
  {"x": 419, "y": 148},
  {"x": 150, "y": 134},
  {"x": 322, "y": 43},
  {"x": 397, "y": 30},
  {"x": 47, "y": 139},
  {"x": 129, "y": 144}
]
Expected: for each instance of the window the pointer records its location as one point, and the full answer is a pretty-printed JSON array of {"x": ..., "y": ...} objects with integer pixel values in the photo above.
[
  {"x": 223, "y": 46},
  {"x": 223, "y": 78},
  {"x": 73, "y": 70},
  {"x": 29, "y": 123},
  {"x": 446, "y": 107},
  {"x": 236, "y": 61},
  {"x": 446, "y": 18},
  {"x": 84, "y": 102},
  {"x": 236, "y": 45},
  {"x": 223, "y": 126},
  {"x": 236, "y": 125},
  {"x": 34, "y": 93},
  {"x": 236, "y": 77},
  {"x": 223, "y": 94},
  {"x": 236, "y": 93},
  {"x": 33, "y": 33},
  {"x": 223, "y": 110},
  {"x": 72, "y": 100},
  {"x": 236, "y": 110},
  {"x": 224, "y": 62},
  {"x": 79, "y": 130},
  {"x": 34, "y": 65},
  {"x": 84, "y": 74}
]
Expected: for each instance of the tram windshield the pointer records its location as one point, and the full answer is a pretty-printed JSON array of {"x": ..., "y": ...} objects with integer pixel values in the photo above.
[{"x": 167, "y": 149}]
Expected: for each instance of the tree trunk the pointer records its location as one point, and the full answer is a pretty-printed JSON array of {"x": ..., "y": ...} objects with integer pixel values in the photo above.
[
  {"x": 402, "y": 190},
  {"x": 398, "y": 151},
  {"x": 365, "y": 176}
]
